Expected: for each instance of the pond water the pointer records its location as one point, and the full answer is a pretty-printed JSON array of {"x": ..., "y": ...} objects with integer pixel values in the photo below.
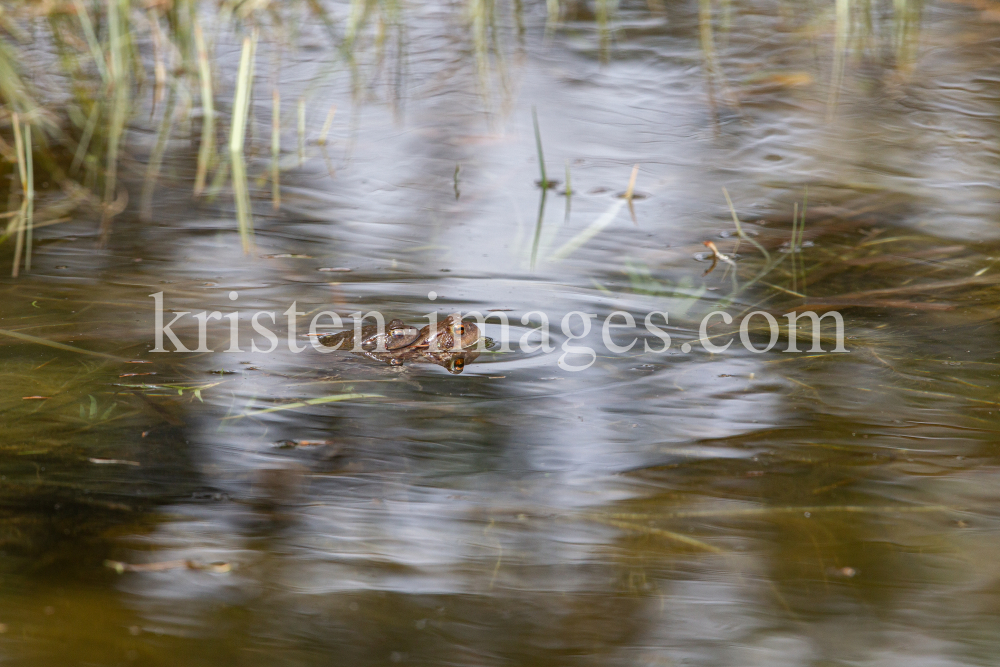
[{"x": 673, "y": 508}]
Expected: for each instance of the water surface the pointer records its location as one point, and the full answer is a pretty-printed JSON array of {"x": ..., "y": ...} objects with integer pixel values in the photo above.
[{"x": 662, "y": 509}]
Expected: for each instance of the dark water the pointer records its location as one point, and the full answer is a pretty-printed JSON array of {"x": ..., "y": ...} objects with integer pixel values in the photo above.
[{"x": 655, "y": 509}]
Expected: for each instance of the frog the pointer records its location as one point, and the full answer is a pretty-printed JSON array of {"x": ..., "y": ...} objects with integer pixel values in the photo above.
[{"x": 449, "y": 344}]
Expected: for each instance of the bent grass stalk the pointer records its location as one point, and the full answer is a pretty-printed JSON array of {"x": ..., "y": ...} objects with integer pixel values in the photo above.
[
  {"x": 605, "y": 219},
  {"x": 592, "y": 230}
]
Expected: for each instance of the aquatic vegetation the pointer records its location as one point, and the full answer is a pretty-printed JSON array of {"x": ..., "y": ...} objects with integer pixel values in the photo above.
[
  {"x": 113, "y": 62},
  {"x": 117, "y": 60},
  {"x": 855, "y": 30}
]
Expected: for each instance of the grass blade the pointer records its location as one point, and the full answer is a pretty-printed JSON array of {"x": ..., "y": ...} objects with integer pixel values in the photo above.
[
  {"x": 237, "y": 137},
  {"x": 88, "y": 134},
  {"x": 207, "y": 149},
  {"x": 88, "y": 31},
  {"x": 301, "y": 404},
  {"x": 29, "y": 202},
  {"x": 117, "y": 35},
  {"x": 156, "y": 158},
  {"x": 327, "y": 124},
  {"x": 538, "y": 146},
  {"x": 22, "y": 172},
  {"x": 58, "y": 346},
  {"x": 659, "y": 532},
  {"x": 592, "y": 230}
]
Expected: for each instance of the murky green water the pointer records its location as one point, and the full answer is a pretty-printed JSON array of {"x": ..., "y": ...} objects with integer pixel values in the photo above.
[{"x": 660, "y": 509}]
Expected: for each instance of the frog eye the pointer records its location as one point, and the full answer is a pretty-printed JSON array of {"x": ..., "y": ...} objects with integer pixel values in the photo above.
[{"x": 460, "y": 329}]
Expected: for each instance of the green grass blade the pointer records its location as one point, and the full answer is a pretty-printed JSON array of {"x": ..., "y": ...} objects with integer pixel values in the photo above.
[{"x": 301, "y": 404}]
